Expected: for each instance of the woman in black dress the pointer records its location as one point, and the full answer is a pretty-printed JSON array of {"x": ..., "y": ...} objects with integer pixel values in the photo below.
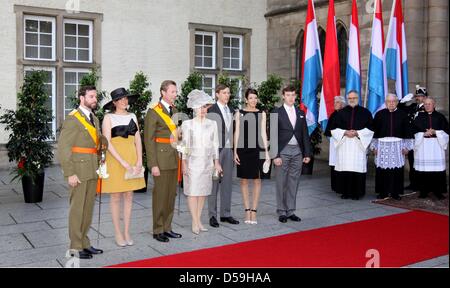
[{"x": 250, "y": 151}]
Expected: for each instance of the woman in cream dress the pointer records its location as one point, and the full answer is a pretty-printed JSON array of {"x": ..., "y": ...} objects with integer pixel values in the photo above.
[{"x": 200, "y": 156}]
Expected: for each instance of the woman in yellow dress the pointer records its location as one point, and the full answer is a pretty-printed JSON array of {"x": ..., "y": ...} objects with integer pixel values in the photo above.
[{"x": 124, "y": 155}]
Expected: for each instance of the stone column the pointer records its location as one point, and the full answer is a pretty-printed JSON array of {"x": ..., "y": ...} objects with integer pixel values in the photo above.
[
  {"x": 437, "y": 53},
  {"x": 416, "y": 28}
]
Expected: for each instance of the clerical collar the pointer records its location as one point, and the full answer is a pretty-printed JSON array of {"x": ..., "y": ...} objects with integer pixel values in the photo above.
[{"x": 85, "y": 111}]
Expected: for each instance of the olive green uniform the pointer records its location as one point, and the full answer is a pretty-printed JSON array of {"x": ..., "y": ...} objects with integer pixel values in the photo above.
[
  {"x": 165, "y": 157},
  {"x": 82, "y": 197}
]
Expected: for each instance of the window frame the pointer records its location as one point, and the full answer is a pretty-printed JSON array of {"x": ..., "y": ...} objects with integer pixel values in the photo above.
[
  {"x": 54, "y": 44},
  {"x": 213, "y": 87},
  {"x": 77, "y": 22},
  {"x": 241, "y": 47},
  {"x": 71, "y": 70},
  {"x": 214, "y": 49}
]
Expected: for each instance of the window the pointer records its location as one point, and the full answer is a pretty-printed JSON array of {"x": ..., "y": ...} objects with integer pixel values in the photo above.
[
  {"x": 209, "y": 84},
  {"x": 50, "y": 85},
  {"x": 61, "y": 43},
  {"x": 342, "y": 50},
  {"x": 205, "y": 50},
  {"x": 237, "y": 85},
  {"x": 72, "y": 79},
  {"x": 322, "y": 38},
  {"x": 39, "y": 38},
  {"x": 77, "y": 41},
  {"x": 232, "y": 52}
]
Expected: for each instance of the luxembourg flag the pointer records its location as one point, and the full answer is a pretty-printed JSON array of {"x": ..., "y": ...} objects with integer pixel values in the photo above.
[
  {"x": 311, "y": 68},
  {"x": 353, "y": 74},
  {"x": 331, "y": 78},
  {"x": 377, "y": 80},
  {"x": 396, "y": 53}
]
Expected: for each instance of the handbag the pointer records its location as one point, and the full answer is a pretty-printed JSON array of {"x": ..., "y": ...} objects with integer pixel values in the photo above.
[{"x": 130, "y": 175}]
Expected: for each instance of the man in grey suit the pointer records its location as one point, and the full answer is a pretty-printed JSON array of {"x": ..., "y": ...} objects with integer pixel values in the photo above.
[
  {"x": 220, "y": 112},
  {"x": 294, "y": 149}
]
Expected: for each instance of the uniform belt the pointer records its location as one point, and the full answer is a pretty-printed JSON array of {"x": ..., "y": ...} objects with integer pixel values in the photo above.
[
  {"x": 163, "y": 140},
  {"x": 83, "y": 150}
]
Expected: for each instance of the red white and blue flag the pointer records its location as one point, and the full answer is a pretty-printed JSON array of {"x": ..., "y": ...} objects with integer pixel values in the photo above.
[
  {"x": 331, "y": 86},
  {"x": 311, "y": 68},
  {"x": 377, "y": 80},
  {"x": 353, "y": 74},
  {"x": 396, "y": 52}
]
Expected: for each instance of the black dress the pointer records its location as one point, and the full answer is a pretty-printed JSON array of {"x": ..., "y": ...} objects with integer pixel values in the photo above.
[{"x": 251, "y": 147}]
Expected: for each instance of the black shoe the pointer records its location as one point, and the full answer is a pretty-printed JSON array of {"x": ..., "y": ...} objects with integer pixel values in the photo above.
[
  {"x": 397, "y": 197},
  {"x": 230, "y": 220},
  {"x": 93, "y": 251},
  {"x": 213, "y": 222},
  {"x": 172, "y": 234},
  {"x": 161, "y": 237},
  {"x": 84, "y": 255},
  {"x": 294, "y": 218},
  {"x": 282, "y": 219}
]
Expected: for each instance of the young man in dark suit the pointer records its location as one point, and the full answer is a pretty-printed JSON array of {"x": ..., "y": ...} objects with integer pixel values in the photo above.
[{"x": 294, "y": 149}]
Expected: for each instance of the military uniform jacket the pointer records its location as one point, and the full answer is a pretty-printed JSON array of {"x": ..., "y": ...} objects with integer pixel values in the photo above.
[
  {"x": 161, "y": 155},
  {"x": 74, "y": 134}
]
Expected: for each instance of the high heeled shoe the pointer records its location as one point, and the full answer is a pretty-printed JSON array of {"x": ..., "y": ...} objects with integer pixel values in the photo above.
[
  {"x": 203, "y": 229},
  {"x": 195, "y": 230},
  {"x": 121, "y": 243},
  {"x": 251, "y": 221},
  {"x": 247, "y": 221}
]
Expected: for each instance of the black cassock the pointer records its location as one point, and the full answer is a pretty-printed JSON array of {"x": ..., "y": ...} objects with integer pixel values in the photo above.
[
  {"x": 351, "y": 184},
  {"x": 435, "y": 182},
  {"x": 327, "y": 133},
  {"x": 389, "y": 181}
]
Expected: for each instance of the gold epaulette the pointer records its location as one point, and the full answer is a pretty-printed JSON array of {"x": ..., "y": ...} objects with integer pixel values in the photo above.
[{"x": 73, "y": 112}]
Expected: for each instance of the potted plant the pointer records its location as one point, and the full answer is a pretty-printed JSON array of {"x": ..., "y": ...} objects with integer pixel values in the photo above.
[
  {"x": 139, "y": 86},
  {"x": 30, "y": 135},
  {"x": 194, "y": 81}
]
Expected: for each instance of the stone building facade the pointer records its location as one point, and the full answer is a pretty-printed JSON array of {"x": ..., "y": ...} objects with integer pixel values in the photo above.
[{"x": 426, "y": 23}]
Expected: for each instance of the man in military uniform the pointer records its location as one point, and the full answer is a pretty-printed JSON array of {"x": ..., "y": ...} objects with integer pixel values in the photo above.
[
  {"x": 78, "y": 147},
  {"x": 413, "y": 111},
  {"x": 159, "y": 134}
]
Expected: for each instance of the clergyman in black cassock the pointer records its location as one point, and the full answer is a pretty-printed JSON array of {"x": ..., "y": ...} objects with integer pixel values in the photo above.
[
  {"x": 392, "y": 141},
  {"x": 352, "y": 132},
  {"x": 431, "y": 132}
]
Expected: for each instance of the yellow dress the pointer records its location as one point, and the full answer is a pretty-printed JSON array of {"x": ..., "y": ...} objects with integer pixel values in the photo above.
[{"x": 123, "y": 127}]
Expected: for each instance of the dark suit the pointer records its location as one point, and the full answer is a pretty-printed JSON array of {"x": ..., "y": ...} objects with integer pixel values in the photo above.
[
  {"x": 288, "y": 174},
  {"x": 226, "y": 161},
  {"x": 286, "y": 131}
]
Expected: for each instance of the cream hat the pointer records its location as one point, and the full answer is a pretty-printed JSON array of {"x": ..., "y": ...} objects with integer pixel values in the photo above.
[{"x": 198, "y": 98}]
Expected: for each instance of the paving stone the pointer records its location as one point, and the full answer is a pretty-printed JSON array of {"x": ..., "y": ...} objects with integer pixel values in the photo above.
[
  {"x": 22, "y": 228},
  {"x": 13, "y": 242}
]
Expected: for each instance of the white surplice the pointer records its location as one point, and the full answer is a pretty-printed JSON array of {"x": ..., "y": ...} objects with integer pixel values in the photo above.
[
  {"x": 351, "y": 153},
  {"x": 429, "y": 153}
]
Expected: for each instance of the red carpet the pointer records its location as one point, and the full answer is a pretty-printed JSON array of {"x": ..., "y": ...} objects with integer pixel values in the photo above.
[{"x": 401, "y": 239}]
